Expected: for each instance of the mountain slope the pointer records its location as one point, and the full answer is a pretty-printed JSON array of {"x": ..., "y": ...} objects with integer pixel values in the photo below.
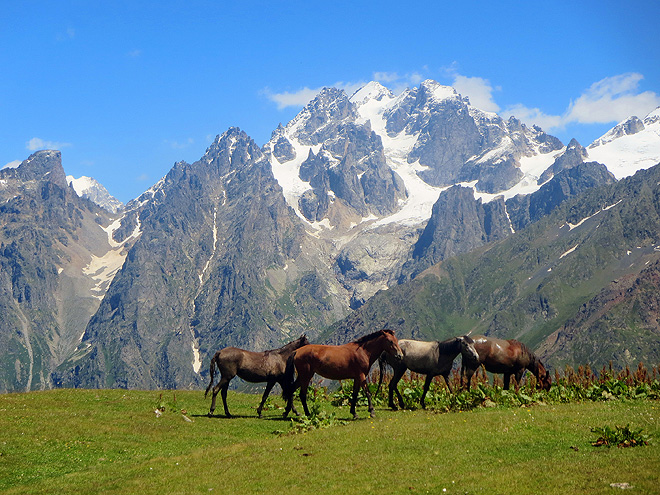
[
  {"x": 221, "y": 260},
  {"x": 88, "y": 187},
  {"x": 49, "y": 239},
  {"x": 530, "y": 284}
]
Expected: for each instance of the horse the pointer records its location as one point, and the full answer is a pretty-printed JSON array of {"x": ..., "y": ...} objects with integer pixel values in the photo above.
[
  {"x": 509, "y": 357},
  {"x": 338, "y": 362},
  {"x": 428, "y": 358},
  {"x": 255, "y": 367}
]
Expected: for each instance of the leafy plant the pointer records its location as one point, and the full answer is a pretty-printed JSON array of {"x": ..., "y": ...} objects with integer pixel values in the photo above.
[{"x": 621, "y": 436}]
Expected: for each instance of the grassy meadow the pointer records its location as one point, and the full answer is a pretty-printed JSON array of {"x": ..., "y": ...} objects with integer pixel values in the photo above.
[{"x": 112, "y": 441}]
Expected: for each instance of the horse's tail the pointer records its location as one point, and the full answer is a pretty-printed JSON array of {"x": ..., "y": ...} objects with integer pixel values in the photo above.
[
  {"x": 211, "y": 373},
  {"x": 382, "y": 362},
  {"x": 289, "y": 377}
]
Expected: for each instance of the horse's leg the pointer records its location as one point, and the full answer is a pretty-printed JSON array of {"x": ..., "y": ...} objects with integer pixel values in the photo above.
[
  {"x": 356, "y": 389},
  {"x": 427, "y": 384},
  {"x": 518, "y": 376},
  {"x": 223, "y": 392},
  {"x": 398, "y": 373},
  {"x": 289, "y": 402},
  {"x": 446, "y": 377},
  {"x": 365, "y": 387},
  {"x": 224, "y": 381},
  {"x": 303, "y": 396},
  {"x": 269, "y": 387},
  {"x": 507, "y": 380}
]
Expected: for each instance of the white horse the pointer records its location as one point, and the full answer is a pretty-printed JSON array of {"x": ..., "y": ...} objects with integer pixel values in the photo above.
[{"x": 427, "y": 358}]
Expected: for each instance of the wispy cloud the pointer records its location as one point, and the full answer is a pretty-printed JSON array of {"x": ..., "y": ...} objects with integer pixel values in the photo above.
[
  {"x": 68, "y": 34},
  {"x": 134, "y": 53},
  {"x": 393, "y": 80},
  {"x": 478, "y": 90},
  {"x": 12, "y": 164},
  {"x": 287, "y": 99},
  {"x": 179, "y": 145},
  {"x": 36, "y": 143},
  {"x": 304, "y": 95},
  {"x": 609, "y": 100}
]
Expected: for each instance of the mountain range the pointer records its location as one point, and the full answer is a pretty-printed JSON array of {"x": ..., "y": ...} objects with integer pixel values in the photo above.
[{"x": 419, "y": 212}]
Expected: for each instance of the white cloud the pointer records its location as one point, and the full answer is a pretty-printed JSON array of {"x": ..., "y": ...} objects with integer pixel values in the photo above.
[
  {"x": 12, "y": 164},
  {"x": 609, "y": 100},
  {"x": 386, "y": 77},
  {"x": 478, "y": 90},
  {"x": 298, "y": 98},
  {"x": 36, "y": 143},
  {"x": 304, "y": 95},
  {"x": 533, "y": 116},
  {"x": 612, "y": 99}
]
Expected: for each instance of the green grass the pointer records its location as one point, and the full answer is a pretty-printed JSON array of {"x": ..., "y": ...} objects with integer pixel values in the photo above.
[{"x": 111, "y": 441}]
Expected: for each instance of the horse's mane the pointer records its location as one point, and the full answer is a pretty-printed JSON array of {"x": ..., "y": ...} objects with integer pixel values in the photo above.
[
  {"x": 293, "y": 344},
  {"x": 449, "y": 345},
  {"x": 533, "y": 360},
  {"x": 371, "y": 336}
]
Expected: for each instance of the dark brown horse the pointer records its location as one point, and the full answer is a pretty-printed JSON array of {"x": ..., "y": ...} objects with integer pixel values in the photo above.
[
  {"x": 267, "y": 366},
  {"x": 338, "y": 362},
  {"x": 509, "y": 357},
  {"x": 428, "y": 358}
]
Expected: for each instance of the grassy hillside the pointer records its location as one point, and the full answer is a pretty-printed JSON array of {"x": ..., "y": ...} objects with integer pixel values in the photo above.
[{"x": 111, "y": 441}]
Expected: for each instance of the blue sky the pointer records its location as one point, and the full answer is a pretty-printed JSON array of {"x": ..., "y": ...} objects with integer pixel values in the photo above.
[{"x": 127, "y": 88}]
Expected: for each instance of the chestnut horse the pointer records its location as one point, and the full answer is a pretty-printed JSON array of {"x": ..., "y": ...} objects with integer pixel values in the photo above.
[
  {"x": 267, "y": 366},
  {"x": 338, "y": 362},
  {"x": 428, "y": 358},
  {"x": 509, "y": 357}
]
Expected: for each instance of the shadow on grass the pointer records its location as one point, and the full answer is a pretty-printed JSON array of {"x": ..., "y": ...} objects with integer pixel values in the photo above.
[{"x": 240, "y": 416}]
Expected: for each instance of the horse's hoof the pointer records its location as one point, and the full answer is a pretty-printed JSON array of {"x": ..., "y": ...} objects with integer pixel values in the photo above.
[
  {"x": 210, "y": 414},
  {"x": 372, "y": 414}
]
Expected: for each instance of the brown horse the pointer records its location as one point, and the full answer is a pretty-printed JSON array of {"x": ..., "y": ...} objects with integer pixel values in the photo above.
[
  {"x": 338, "y": 362},
  {"x": 428, "y": 358},
  {"x": 267, "y": 366},
  {"x": 509, "y": 357}
]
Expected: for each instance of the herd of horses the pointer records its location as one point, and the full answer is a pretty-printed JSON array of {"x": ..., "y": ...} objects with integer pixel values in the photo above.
[{"x": 293, "y": 365}]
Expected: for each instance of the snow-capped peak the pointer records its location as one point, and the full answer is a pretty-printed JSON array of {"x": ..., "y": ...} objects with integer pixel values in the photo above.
[
  {"x": 371, "y": 91},
  {"x": 88, "y": 187},
  {"x": 629, "y": 146},
  {"x": 437, "y": 91}
]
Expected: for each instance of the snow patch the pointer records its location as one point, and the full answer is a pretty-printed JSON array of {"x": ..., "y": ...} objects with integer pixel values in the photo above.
[{"x": 569, "y": 251}]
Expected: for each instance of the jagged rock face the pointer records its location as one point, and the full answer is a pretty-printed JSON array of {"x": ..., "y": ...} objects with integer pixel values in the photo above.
[
  {"x": 47, "y": 237},
  {"x": 87, "y": 187},
  {"x": 219, "y": 262},
  {"x": 352, "y": 167},
  {"x": 524, "y": 210},
  {"x": 460, "y": 223},
  {"x": 320, "y": 119},
  {"x": 574, "y": 155},
  {"x": 458, "y": 143}
]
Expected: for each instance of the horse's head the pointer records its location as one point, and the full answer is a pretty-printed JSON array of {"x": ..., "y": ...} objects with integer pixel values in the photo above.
[
  {"x": 391, "y": 345},
  {"x": 468, "y": 351},
  {"x": 544, "y": 379},
  {"x": 301, "y": 341}
]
